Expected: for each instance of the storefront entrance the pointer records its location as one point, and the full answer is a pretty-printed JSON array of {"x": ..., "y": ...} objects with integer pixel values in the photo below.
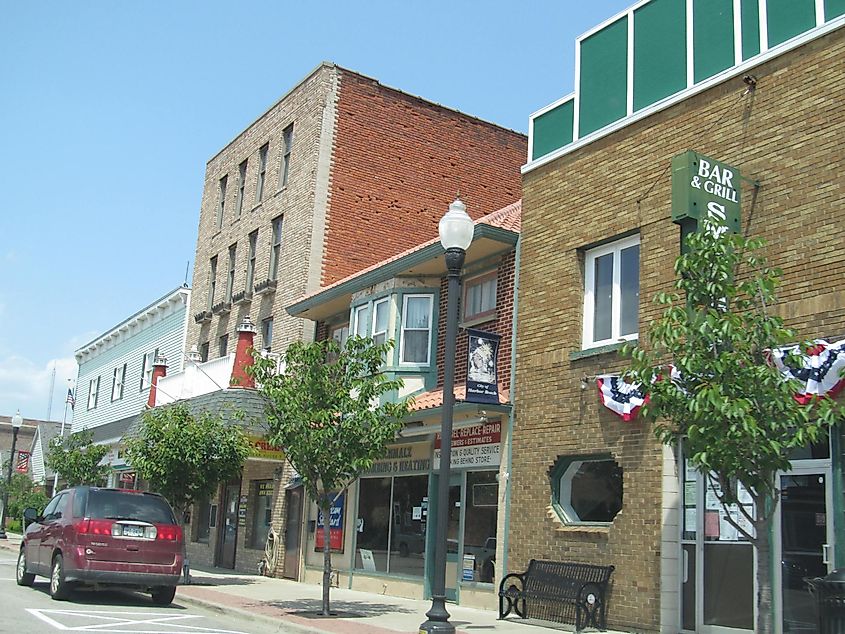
[
  {"x": 718, "y": 564},
  {"x": 803, "y": 545},
  {"x": 228, "y": 533}
]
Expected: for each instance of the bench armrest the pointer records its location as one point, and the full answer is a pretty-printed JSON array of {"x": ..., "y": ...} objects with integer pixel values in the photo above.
[{"x": 503, "y": 586}]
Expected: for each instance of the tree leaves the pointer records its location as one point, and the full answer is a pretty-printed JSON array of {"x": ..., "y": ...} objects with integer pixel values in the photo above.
[
  {"x": 77, "y": 460},
  {"x": 185, "y": 456}
]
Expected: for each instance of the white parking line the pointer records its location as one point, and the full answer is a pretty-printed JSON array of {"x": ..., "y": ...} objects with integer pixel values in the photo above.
[{"x": 103, "y": 621}]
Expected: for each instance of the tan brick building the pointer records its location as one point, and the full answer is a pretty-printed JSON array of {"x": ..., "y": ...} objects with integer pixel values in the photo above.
[
  {"x": 586, "y": 486},
  {"x": 339, "y": 174}
]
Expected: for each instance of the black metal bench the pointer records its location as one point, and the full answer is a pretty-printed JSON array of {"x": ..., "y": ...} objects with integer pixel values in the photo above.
[{"x": 553, "y": 590}]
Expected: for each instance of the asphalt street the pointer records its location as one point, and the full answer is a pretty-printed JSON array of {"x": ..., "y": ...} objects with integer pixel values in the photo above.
[{"x": 31, "y": 611}]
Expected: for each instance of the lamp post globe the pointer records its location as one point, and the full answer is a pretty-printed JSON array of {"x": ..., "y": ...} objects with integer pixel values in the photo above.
[
  {"x": 456, "y": 231},
  {"x": 17, "y": 421}
]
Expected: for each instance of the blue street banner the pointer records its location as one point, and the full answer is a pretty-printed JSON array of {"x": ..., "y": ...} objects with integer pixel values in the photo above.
[
  {"x": 335, "y": 526},
  {"x": 482, "y": 362}
]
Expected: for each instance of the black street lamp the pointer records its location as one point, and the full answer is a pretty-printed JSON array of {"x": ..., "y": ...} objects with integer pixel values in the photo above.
[
  {"x": 456, "y": 229},
  {"x": 17, "y": 421}
]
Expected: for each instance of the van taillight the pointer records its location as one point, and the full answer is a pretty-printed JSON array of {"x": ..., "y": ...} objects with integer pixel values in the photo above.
[
  {"x": 94, "y": 527},
  {"x": 169, "y": 532}
]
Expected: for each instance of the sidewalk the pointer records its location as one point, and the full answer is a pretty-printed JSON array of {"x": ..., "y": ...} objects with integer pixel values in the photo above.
[{"x": 295, "y": 607}]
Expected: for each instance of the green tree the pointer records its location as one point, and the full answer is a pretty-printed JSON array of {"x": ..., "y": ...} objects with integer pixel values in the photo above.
[
  {"x": 77, "y": 459},
  {"x": 727, "y": 405},
  {"x": 329, "y": 410},
  {"x": 23, "y": 494},
  {"x": 183, "y": 456}
]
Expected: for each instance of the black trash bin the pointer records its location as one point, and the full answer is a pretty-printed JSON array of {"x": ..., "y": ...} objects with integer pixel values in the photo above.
[{"x": 829, "y": 592}]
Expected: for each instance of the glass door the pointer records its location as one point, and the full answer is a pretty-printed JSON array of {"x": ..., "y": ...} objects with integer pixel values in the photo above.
[
  {"x": 803, "y": 545},
  {"x": 453, "y": 533}
]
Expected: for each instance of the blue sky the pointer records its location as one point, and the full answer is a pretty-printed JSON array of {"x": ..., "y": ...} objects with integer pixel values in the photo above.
[{"x": 110, "y": 111}]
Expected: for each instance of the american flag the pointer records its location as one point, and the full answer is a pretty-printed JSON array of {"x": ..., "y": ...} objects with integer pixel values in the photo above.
[{"x": 70, "y": 399}]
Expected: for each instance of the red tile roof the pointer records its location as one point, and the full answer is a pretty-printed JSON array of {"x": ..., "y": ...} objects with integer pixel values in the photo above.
[{"x": 434, "y": 398}]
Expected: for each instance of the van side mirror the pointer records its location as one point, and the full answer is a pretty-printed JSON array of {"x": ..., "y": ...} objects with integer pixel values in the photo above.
[{"x": 30, "y": 515}]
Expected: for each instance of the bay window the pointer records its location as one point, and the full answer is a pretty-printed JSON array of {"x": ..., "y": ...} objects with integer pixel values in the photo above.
[{"x": 415, "y": 341}]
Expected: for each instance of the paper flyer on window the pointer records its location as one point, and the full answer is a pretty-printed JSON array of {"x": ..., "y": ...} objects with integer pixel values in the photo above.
[{"x": 482, "y": 361}]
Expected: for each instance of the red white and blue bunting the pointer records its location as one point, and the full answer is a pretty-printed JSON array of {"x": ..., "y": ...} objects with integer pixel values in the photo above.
[
  {"x": 620, "y": 397},
  {"x": 820, "y": 372}
]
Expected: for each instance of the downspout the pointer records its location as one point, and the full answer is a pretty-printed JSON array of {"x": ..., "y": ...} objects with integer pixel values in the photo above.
[{"x": 511, "y": 416}]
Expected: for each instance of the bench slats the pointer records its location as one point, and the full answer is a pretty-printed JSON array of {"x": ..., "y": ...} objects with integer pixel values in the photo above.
[{"x": 553, "y": 590}]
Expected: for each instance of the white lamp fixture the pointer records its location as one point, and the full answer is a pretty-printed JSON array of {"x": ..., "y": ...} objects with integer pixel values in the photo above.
[
  {"x": 456, "y": 227},
  {"x": 17, "y": 420}
]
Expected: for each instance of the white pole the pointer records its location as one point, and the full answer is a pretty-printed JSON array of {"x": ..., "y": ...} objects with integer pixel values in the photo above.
[{"x": 62, "y": 433}]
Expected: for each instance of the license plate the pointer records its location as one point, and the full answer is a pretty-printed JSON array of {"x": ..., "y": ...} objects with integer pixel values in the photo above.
[{"x": 133, "y": 531}]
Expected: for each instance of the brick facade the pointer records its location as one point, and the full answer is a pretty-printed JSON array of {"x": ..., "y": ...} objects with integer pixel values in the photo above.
[
  {"x": 787, "y": 135},
  {"x": 398, "y": 162},
  {"x": 371, "y": 172}
]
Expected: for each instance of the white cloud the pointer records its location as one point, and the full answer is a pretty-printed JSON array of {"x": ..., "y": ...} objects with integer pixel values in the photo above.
[{"x": 25, "y": 385}]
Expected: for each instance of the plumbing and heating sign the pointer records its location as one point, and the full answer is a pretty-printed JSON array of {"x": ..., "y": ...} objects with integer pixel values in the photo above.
[
  {"x": 476, "y": 446},
  {"x": 705, "y": 188}
]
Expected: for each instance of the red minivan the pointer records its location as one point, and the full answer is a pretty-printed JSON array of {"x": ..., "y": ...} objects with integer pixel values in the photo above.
[{"x": 103, "y": 537}]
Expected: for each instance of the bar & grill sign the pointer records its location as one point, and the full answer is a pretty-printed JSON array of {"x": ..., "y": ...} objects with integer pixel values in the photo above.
[{"x": 705, "y": 188}]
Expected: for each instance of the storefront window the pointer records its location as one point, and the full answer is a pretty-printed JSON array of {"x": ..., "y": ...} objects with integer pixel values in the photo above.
[
  {"x": 407, "y": 537},
  {"x": 262, "y": 512},
  {"x": 480, "y": 525},
  {"x": 392, "y": 511},
  {"x": 203, "y": 520},
  {"x": 373, "y": 524}
]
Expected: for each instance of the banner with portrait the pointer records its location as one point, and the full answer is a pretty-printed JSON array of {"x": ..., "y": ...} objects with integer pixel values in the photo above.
[{"x": 482, "y": 362}]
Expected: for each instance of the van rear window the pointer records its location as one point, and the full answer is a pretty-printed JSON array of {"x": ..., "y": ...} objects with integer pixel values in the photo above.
[{"x": 103, "y": 504}]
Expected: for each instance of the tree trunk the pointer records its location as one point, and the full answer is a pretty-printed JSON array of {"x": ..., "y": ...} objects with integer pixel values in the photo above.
[
  {"x": 764, "y": 578},
  {"x": 325, "y": 507}
]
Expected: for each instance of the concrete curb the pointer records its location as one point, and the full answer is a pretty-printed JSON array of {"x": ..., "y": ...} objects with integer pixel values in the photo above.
[{"x": 279, "y": 622}]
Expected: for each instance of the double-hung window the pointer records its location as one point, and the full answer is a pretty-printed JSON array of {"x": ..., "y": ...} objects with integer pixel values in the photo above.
[
  {"x": 221, "y": 203},
  {"x": 362, "y": 320},
  {"x": 415, "y": 341},
  {"x": 287, "y": 146},
  {"x": 223, "y": 345},
  {"x": 611, "y": 292},
  {"x": 262, "y": 172},
  {"x": 250, "y": 263},
  {"x": 230, "y": 275},
  {"x": 147, "y": 369},
  {"x": 267, "y": 333},
  {"x": 275, "y": 248},
  {"x": 93, "y": 390},
  {"x": 212, "y": 281},
  {"x": 239, "y": 203},
  {"x": 118, "y": 379},
  {"x": 480, "y": 297},
  {"x": 381, "y": 308}
]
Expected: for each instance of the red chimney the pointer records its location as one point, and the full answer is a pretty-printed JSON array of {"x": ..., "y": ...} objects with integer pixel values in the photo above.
[
  {"x": 159, "y": 370},
  {"x": 243, "y": 356}
]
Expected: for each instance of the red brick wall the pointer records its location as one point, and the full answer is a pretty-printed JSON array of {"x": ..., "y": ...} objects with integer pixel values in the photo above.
[
  {"x": 499, "y": 324},
  {"x": 398, "y": 162}
]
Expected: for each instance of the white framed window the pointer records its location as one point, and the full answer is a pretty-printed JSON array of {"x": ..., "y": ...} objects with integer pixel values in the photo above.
[
  {"x": 250, "y": 263},
  {"x": 93, "y": 390},
  {"x": 381, "y": 309},
  {"x": 287, "y": 146},
  {"x": 118, "y": 378},
  {"x": 612, "y": 292},
  {"x": 230, "y": 275},
  {"x": 340, "y": 334},
  {"x": 480, "y": 297},
  {"x": 415, "y": 340},
  {"x": 239, "y": 203},
  {"x": 362, "y": 320},
  {"x": 275, "y": 248},
  {"x": 262, "y": 172},
  {"x": 221, "y": 203},
  {"x": 147, "y": 369}
]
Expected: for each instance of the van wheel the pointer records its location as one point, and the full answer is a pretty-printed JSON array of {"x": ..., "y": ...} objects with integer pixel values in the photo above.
[
  {"x": 163, "y": 595},
  {"x": 23, "y": 577},
  {"x": 59, "y": 588}
]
